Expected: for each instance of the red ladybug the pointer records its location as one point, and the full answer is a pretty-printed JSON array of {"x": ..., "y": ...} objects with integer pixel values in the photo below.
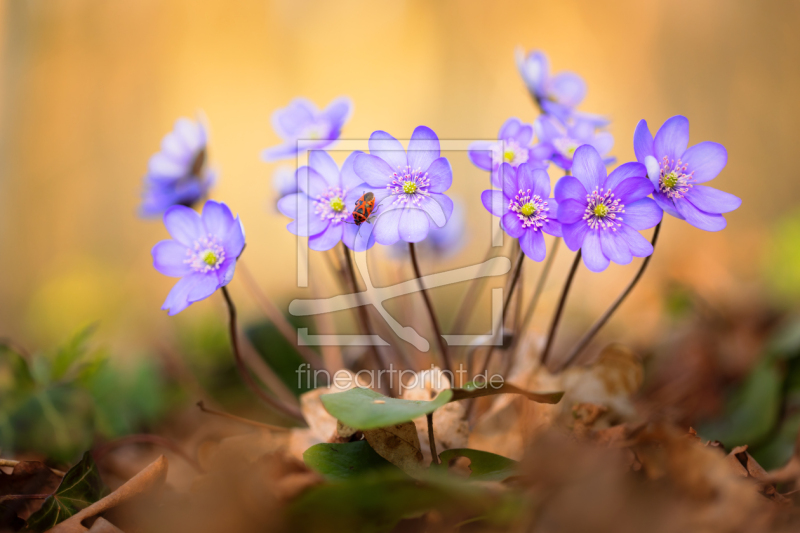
[{"x": 364, "y": 207}]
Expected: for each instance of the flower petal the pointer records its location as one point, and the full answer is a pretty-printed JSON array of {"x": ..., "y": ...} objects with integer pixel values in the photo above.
[
  {"x": 289, "y": 120},
  {"x": 615, "y": 247},
  {"x": 569, "y": 187},
  {"x": 359, "y": 238},
  {"x": 532, "y": 245},
  {"x": 325, "y": 166},
  {"x": 414, "y": 224},
  {"x": 350, "y": 179},
  {"x": 567, "y": 88},
  {"x": 592, "y": 251},
  {"x": 327, "y": 239},
  {"x": 441, "y": 175},
  {"x": 234, "y": 241},
  {"x": 308, "y": 224},
  {"x": 705, "y": 160},
  {"x": 665, "y": 203},
  {"x": 633, "y": 189},
  {"x": 643, "y": 141},
  {"x": 494, "y": 202},
  {"x": 638, "y": 245},
  {"x": 217, "y": 218},
  {"x": 386, "y": 224},
  {"x": 423, "y": 148},
  {"x": 672, "y": 138},
  {"x": 184, "y": 225},
  {"x": 570, "y": 211},
  {"x": 389, "y": 149},
  {"x": 712, "y": 200},
  {"x": 700, "y": 219},
  {"x": 169, "y": 258},
  {"x": 623, "y": 172},
  {"x": 205, "y": 286},
  {"x": 373, "y": 170},
  {"x": 339, "y": 111},
  {"x": 553, "y": 226},
  {"x": 574, "y": 234},
  {"x": 588, "y": 167},
  {"x": 642, "y": 214},
  {"x": 480, "y": 153},
  {"x": 510, "y": 129},
  {"x": 281, "y": 151},
  {"x": 513, "y": 225},
  {"x": 225, "y": 272},
  {"x": 439, "y": 207},
  {"x": 508, "y": 177},
  {"x": 311, "y": 182},
  {"x": 288, "y": 205}
]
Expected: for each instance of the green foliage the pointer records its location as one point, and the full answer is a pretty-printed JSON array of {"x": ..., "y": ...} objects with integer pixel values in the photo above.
[
  {"x": 279, "y": 354},
  {"x": 80, "y": 488},
  {"x": 345, "y": 460},
  {"x": 484, "y": 466},
  {"x": 366, "y": 409}
]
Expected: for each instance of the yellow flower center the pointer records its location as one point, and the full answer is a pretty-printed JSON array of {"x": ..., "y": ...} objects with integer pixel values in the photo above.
[
  {"x": 671, "y": 179},
  {"x": 528, "y": 209},
  {"x": 337, "y": 204},
  {"x": 508, "y": 156},
  {"x": 210, "y": 258},
  {"x": 600, "y": 210},
  {"x": 410, "y": 187}
]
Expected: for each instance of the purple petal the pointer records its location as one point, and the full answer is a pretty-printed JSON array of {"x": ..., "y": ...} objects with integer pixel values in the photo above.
[
  {"x": 672, "y": 138},
  {"x": 480, "y": 154},
  {"x": 217, "y": 218},
  {"x": 592, "y": 251},
  {"x": 350, "y": 179},
  {"x": 288, "y": 205},
  {"x": 508, "y": 177},
  {"x": 623, "y": 172},
  {"x": 373, "y": 170},
  {"x": 642, "y": 214},
  {"x": 568, "y": 88},
  {"x": 524, "y": 135},
  {"x": 436, "y": 205},
  {"x": 205, "y": 287},
  {"x": 615, "y": 247},
  {"x": 705, "y": 160},
  {"x": 178, "y": 298},
  {"x": 281, "y": 151},
  {"x": 162, "y": 165},
  {"x": 513, "y": 225},
  {"x": 184, "y": 225},
  {"x": 665, "y": 203},
  {"x": 226, "y": 271},
  {"x": 169, "y": 259},
  {"x": 541, "y": 182},
  {"x": 603, "y": 142},
  {"x": 532, "y": 244},
  {"x": 494, "y": 202},
  {"x": 548, "y": 128},
  {"x": 309, "y": 225},
  {"x": 359, "y": 238},
  {"x": 339, "y": 111},
  {"x": 510, "y": 129},
  {"x": 327, "y": 239},
  {"x": 325, "y": 166},
  {"x": 712, "y": 200},
  {"x": 291, "y": 119},
  {"x": 633, "y": 189},
  {"x": 310, "y": 182},
  {"x": 700, "y": 219},
  {"x": 553, "y": 226},
  {"x": 525, "y": 179},
  {"x": 191, "y": 134},
  {"x": 574, "y": 234},
  {"x": 233, "y": 242},
  {"x": 534, "y": 69},
  {"x": 588, "y": 167},
  {"x": 386, "y": 230},
  {"x": 643, "y": 141},
  {"x": 414, "y": 224},
  {"x": 423, "y": 148},
  {"x": 638, "y": 245},
  {"x": 441, "y": 175},
  {"x": 389, "y": 149},
  {"x": 570, "y": 211},
  {"x": 569, "y": 187}
]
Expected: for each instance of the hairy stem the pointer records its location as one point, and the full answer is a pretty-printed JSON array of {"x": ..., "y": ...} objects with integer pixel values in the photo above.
[
  {"x": 560, "y": 309},
  {"x": 434, "y": 321},
  {"x": 579, "y": 347},
  {"x": 288, "y": 410},
  {"x": 434, "y": 455}
]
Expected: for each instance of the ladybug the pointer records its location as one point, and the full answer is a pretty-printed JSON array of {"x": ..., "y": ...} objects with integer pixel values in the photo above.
[{"x": 364, "y": 207}]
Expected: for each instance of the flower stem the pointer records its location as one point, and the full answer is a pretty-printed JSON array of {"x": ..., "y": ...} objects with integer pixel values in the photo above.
[
  {"x": 362, "y": 311},
  {"x": 539, "y": 286},
  {"x": 512, "y": 286},
  {"x": 579, "y": 347},
  {"x": 434, "y": 455},
  {"x": 436, "y": 328},
  {"x": 560, "y": 309},
  {"x": 291, "y": 411}
]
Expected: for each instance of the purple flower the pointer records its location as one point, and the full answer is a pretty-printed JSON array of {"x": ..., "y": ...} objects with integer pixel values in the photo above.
[
  {"x": 600, "y": 214},
  {"x": 677, "y": 172},
  {"x": 322, "y": 207},
  {"x": 441, "y": 242},
  {"x": 302, "y": 121},
  {"x": 559, "y": 140},
  {"x": 284, "y": 181},
  {"x": 525, "y": 207},
  {"x": 203, "y": 252},
  {"x": 409, "y": 187},
  {"x": 556, "y": 95},
  {"x": 512, "y": 147},
  {"x": 178, "y": 174}
]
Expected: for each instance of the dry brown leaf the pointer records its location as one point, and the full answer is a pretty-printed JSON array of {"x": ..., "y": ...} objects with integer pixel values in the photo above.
[
  {"x": 399, "y": 445},
  {"x": 27, "y": 477},
  {"x": 101, "y": 525},
  {"x": 322, "y": 424}
]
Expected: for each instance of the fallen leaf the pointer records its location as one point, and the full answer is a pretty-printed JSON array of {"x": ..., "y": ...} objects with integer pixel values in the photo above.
[
  {"x": 27, "y": 477},
  {"x": 357, "y": 408},
  {"x": 484, "y": 466},
  {"x": 398, "y": 444}
]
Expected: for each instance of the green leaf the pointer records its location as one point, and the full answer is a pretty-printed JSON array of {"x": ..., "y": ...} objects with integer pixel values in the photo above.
[
  {"x": 485, "y": 466},
  {"x": 473, "y": 390},
  {"x": 362, "y": 408},
  {"x": 80, "y": 488},
  {"x": 345, "y": 460},
  {"x": 71, "y": 352},
  {"x": 280, "y": 355}
]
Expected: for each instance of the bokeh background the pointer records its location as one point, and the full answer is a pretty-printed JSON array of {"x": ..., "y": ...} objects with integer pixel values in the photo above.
[{"x": 89, "y": 88}]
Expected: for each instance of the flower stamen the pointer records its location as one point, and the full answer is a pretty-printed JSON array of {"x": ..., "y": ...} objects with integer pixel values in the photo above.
[
  {"x": 673, "y": 180},
  {"x": 603, "y": 210},
  {"x": 530, "y": 208}
]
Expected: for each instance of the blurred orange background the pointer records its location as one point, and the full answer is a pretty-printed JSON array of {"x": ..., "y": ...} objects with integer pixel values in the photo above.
[{"x": 89, "y": 88}]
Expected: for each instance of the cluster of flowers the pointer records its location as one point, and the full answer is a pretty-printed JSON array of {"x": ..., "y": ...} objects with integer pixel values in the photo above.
[{"x": 597, "y": 212}]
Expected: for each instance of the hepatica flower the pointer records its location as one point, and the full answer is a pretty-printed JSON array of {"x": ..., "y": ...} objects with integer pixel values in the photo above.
[
  {"x": 322, "y": 207},
  {"x": 525, "y": 207},
  {"x": 512, "y": 147},
  {"x": 556, "y": 95},
  {"x": 600, "y": 214},
  {"x": 301, "y": 120},
  {"x": 559, "y": 140},
  {"x": 408, "y": 187},
  {"x": 202, "y": 252},
  {"x": 178, "y": 174},
  {"x": 677, "y": 172},
  {"x": 441, "y": 242}
]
